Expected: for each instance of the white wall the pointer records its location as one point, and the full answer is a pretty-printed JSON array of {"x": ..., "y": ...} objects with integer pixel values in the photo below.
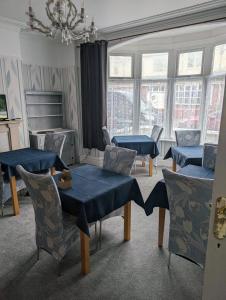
[
  {"x": 39, "y": 50},
  {"x": 9, "y": 41}
]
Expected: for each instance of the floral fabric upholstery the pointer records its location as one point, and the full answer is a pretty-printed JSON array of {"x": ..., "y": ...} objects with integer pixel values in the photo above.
[
  {"x": 156, "y": 133},
  {"x": 55, "y": 231},
  {"x": 119, "y": 160},
  {"x": 209, "y": 156},
  {"x": 186, "y": 138},
  {"x": 55, "y": 143},
  {"x": 106, "y": 136},
  {"x": 189, "y": 200}
]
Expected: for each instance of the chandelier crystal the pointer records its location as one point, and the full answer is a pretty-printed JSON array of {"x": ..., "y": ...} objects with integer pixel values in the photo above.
[{"x": 65, "y": 20}]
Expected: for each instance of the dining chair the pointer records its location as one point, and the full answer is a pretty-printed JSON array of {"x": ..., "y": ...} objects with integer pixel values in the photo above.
[
  {"x": 186, "y": 138},
  {"x": 189, "y": 206},
  {"x": 118, "y": 160},
  {"x": 106, "y": 136},
  {"x": 5, "y": 191},
  {"x": 156, "y": 133},
  {"x": 54, "y": 142},
  {"x": 56, "y": 231},
  {"x": 209, "y": 156}
]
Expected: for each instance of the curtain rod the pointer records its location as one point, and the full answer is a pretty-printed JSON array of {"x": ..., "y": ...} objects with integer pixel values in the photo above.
[{"x": 167, "y": 29}]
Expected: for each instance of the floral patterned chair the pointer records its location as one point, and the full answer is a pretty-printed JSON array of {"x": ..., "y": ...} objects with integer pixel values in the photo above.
[
  {"x": 156, "y": 133},
  {"x": 54, "y": 142},
  {"x": 189, "y": 200},
  {"x": 56, "y": 231},
  {"x": 209, "y": 156},
  {"x": 186, "y": 138},
  {"x": 106, "y": 136},
  {"x": 5, "y": 191},
  {"x": 118, "y": 160}
]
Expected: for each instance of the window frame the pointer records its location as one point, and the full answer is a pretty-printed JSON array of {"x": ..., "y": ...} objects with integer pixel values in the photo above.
[
  {"x": 189, "y": 51},
  {"x": 132, "y": 66}
]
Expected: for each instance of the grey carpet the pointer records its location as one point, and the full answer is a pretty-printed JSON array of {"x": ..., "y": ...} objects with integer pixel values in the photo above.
[{"x": 120, "y": 270}]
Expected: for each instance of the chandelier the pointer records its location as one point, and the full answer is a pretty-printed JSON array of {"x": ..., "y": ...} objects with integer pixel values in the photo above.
[{"x": 65, "y": 21}]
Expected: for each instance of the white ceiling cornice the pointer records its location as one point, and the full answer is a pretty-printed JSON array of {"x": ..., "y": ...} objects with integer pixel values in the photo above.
[{"x": 211, "y": 5}]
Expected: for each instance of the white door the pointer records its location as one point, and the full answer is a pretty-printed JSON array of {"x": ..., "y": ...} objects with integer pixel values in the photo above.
[{"x": 215, "y": 269}]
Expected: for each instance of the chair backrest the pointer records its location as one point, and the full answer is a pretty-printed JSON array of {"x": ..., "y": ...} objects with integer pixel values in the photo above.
[
  {"x": 186, "y": 138},
  {"x": 106, "y": 136},
  {"x": 189, "y": 200},
  {"x": 54, "y": 142},
  {"x": 156, "y": 133},
  {"x": 47, "y": 209},
  {"x": 209, "y": 156},
  {"x": 119, "y": 160}
]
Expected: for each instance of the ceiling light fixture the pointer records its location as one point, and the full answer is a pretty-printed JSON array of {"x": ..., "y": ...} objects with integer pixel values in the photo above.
[{"x": 65, "y": 22}]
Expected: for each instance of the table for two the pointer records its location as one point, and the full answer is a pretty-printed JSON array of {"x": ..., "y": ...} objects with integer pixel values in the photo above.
[{"x": 143, "y": 144}]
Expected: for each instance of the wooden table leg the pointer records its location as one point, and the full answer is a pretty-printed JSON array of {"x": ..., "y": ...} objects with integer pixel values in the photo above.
[
  {"x": 162, "y": 212},
  {"x": 127, "y": 221},
  {"x": 16, "y": 207},
  {"x": 150, "y": 167},
  {"x": 143, "y": 163},
  {"x": 174, "y": 166},
  {"x": 53, "y": 171},
  {"x": 85, "y": 263}
]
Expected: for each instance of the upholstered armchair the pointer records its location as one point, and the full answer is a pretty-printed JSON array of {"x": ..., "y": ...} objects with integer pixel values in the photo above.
[
  {"x": 189, "y": 200},
  {"x": 186, "y": 138},
  {"x": 118, "y": 160},
  {"x": 156, "y": 133},
  {"x": 106, "y": 136},
  {"x": 54, "y": 142},
  {"x": 5, "y": 191},
  {"x": 55, "y": 231},
  {"x": 209, "y": 156}
]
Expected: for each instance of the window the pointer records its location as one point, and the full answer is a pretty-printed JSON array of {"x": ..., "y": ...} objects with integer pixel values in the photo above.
[
  {"x": 190, "y": 63},
  {"x": 153, "y": 97},
  {"x": 215, "y": 94},
  {"x": 187, "y": 104},
  {"x": 219, "y": 60},
  {"x": 120, "y": 66},
  {"x": 120, "y": 107},
  {"x": 154, "y": 65}
]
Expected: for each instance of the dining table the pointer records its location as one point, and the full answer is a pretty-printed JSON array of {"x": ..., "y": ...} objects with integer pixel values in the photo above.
[
  {"x": 158, "y": 196},
  {"x": 183, "y": 156},
  {"x": 94, "y": 193},
  {"x": 143, "y": 144},
  {"x": 33, "y": 160}
]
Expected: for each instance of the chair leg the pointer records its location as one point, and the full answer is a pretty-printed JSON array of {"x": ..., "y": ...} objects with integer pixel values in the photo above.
[
  {"x": 2, "y": 210},
  {"x": 59, "y": 268},
  {"x": 96, "y": 237},
  {"x": 169, "y": 260},
  {"x": 38, "y": 253},
  {"x": 100, "y": 235}
]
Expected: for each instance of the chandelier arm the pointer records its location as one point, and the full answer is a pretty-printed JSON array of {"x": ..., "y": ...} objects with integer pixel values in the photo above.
[
  {"x": 42, "y": 28},
  {"x": 69, "y": 12},
  {"x": 74, "y": 17},
  {"x": 50, "y": 14},
  {"x": 72, "y": 27}
]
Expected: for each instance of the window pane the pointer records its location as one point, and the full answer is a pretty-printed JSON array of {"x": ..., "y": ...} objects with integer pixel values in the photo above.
[
  {"x": 215, "y": 94},
  {"x": 120, "y": 66},
  {"x": 187, "y": 104},
  {"x": 152, "y": 106},
  {"x": 219, "y": 62},
  {"x": 154, "y": 65},
  {"x": 120, "y": 108},
  {"x": 190, "y": 63}
]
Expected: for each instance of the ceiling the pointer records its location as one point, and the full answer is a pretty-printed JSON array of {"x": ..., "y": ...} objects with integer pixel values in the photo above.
[{"x": 106, "y": 12}]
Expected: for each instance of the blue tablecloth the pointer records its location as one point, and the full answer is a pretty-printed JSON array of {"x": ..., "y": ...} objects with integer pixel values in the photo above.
[
  {"x": 143, "y": 144},
  {"x": 33, "y": 160},
  {"x": 186, "y": 155},
  {"x": 96, "y": 192},
  {"x": 158, "y": 196}
]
